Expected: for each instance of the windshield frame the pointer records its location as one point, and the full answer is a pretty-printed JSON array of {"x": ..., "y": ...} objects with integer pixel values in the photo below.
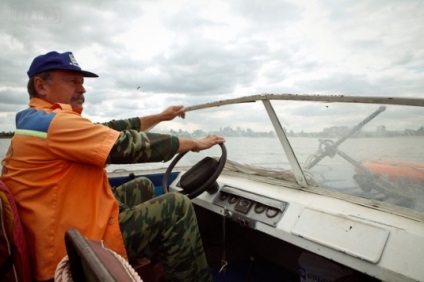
[{"x": 302, "y": 180}]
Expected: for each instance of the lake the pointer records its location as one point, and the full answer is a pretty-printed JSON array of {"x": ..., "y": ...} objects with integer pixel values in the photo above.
[
  {"x": 335, "y": 173},
  {"x": 267, "y": 152}
]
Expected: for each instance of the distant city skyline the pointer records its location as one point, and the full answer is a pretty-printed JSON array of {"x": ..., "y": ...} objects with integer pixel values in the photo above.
[{"x": 329, "y": 132}]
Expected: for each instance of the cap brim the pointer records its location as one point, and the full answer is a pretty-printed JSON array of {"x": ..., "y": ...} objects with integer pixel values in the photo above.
[
  {"x": 88, "y": 74},
  {"x": 83, "y": 72}
]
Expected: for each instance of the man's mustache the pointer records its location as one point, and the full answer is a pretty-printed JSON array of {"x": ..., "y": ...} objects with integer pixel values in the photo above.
[{"x": 79, "y": 98}]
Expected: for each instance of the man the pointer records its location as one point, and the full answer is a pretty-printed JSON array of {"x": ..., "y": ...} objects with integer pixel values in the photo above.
[{"x": 55, "y": 170}]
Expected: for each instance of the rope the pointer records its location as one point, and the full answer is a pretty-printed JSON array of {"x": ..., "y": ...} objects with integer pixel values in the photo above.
[
  {"x": 63, "y": 270},
  {"x": 130, "y": 270}
]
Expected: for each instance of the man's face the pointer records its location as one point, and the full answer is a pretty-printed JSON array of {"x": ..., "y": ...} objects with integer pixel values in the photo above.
[{"x": 64, "y": 87}]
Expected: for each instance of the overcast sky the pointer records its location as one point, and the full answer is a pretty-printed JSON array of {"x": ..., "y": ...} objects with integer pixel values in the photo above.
[{"x": 150, "y": 54}]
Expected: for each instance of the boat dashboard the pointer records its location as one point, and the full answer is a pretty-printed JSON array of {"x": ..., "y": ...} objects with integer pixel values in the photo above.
[
  {"x": 359, "y": 237},
  {"x": 248, "y": 209}
]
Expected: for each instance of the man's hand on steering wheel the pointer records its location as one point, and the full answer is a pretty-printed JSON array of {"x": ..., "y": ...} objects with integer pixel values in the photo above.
[
  {"x": 202, "y": 176},
  {"x": 199, "y": 144}
]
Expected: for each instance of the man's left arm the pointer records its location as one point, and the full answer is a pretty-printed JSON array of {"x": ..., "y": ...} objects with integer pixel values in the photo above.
[{"x": 143, "y": 147}]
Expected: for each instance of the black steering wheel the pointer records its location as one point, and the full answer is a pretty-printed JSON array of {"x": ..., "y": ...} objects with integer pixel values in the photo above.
[{"x": 199, "y": 178}]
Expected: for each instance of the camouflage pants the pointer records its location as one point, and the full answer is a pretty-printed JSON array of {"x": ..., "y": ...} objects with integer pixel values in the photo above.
[{"x": 164, "y": 227}]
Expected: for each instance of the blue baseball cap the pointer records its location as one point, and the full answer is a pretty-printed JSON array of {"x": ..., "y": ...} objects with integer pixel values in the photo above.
[{"x": 56, "y": 61}]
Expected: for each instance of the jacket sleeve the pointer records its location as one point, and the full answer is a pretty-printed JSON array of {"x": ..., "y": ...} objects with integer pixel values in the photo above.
[
  {"x": 124, "y": 124},
  {"x": 142, "y": 147}
]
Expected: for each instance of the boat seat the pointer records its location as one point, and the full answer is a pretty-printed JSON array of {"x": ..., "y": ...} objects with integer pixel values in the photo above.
[{"x": 91, "y": 260}]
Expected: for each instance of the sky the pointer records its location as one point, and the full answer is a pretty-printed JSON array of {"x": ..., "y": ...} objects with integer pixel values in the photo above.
[{"x": 151, "y": 54}]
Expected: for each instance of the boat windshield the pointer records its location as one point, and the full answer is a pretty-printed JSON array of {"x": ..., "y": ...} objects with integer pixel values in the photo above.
[
  {"x": 360, "y": 150},
  {"x": 369, "y": 151}
]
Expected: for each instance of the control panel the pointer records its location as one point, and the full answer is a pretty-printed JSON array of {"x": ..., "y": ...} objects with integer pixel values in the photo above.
[{"x": 247, "y": 208}]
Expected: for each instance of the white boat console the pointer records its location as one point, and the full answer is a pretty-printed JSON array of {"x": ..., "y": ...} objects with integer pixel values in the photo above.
[{"x": 359, "y": 237}]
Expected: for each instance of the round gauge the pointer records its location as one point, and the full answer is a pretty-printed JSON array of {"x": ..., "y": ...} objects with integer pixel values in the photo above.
[
  {"x": 223, "y": 196},
  {"x": 271, "y": 212},
  {"x": 232, "y": 199},
  {"x": 244, "y": 202},
  {"x": 259, "y": 208}
]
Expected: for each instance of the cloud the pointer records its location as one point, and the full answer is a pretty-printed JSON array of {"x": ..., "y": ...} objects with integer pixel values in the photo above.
[{"x": 151, "y": 54}]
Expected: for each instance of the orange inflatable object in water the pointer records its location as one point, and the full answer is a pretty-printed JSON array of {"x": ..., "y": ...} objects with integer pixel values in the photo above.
[{"x": 397, "y": 170}]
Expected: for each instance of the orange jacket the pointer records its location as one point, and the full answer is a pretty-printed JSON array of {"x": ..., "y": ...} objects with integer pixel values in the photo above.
[{"x": 55, "y": 170}]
